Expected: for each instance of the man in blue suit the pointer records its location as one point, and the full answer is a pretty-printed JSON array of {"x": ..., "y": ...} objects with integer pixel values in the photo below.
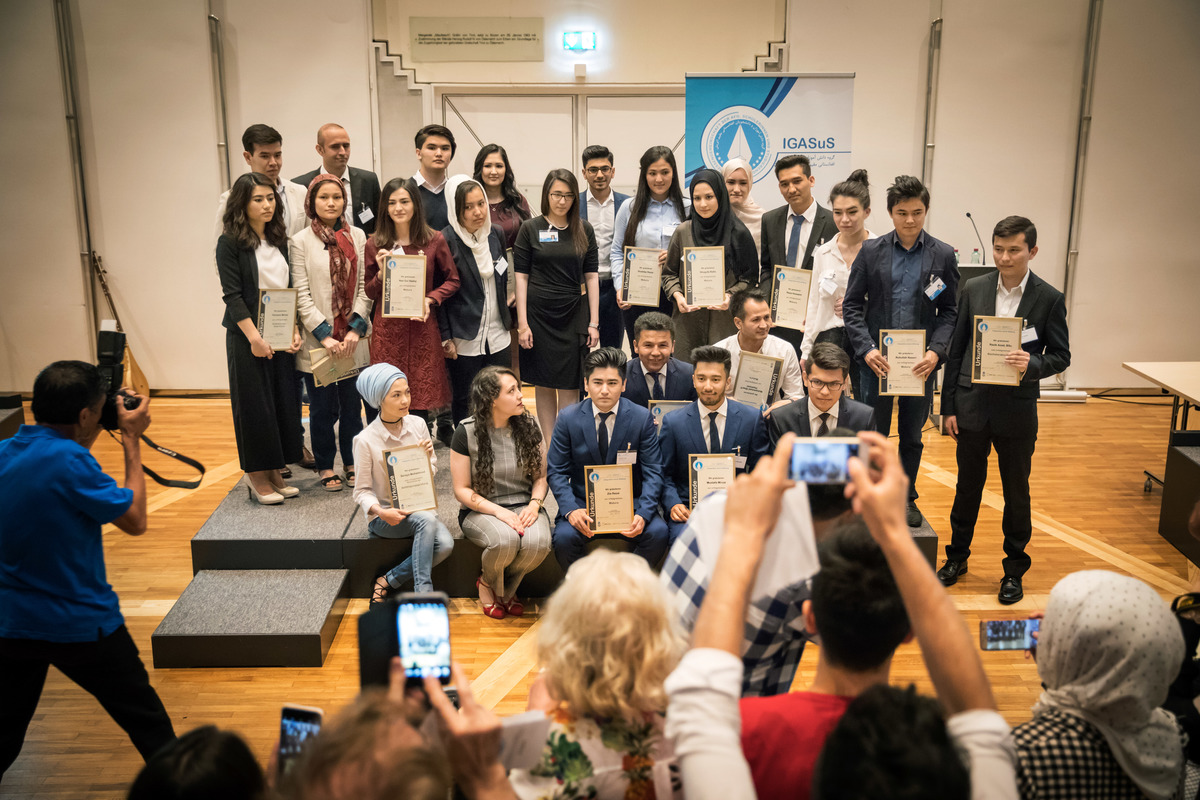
[
  {"x": 599, "y": 206},
  {"x": 904, "y": 280},
  {"x": 605, "y": 429},
  {"x": 655, "y": 373},
  {"x": 713, "y": 424}
]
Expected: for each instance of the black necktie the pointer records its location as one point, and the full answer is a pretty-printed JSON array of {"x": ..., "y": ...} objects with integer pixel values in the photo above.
[
  {"x": 824, "y": 429},
  {"x": 714, "y": 436},
  {"x": 602, "y": 434},
  {"x": 657, "y": 394}
]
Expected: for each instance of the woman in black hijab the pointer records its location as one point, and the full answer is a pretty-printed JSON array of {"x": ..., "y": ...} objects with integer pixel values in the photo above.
[{"x": 712, "y": 224}]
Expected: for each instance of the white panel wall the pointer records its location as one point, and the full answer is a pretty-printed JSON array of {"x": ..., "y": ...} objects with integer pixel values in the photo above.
[
  {"x": 629, "y": 126},
  {"x": 42, "y": 313}
]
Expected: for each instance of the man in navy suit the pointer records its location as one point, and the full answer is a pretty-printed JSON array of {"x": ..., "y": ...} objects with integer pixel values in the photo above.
[
  {"x": 825, "y": 407},
  {"x": 713, "y": 424},
  {"x": 362, "y": 186},
  {"x": 904, "y": 280},
  {"x": 605, "y": 429},
  {"x": 599, "y": 206},
  {"x": 982, "y": 416},
  {"x": 655, "y": 373}
]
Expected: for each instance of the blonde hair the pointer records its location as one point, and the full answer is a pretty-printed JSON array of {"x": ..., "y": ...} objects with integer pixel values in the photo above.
[{"x": 609, "y": 638}]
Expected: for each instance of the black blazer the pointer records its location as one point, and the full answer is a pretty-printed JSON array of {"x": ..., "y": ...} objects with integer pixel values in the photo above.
[
  {"x": 794, "y": 418},
  {"x": 464, "y": 309},
  {"x": 867, "y": 306},
  {"x": 773, "y": 240},
  {"x": 1011, "y": 410},
  {"x": 677, "y": 386},
  {"x": 238, "y": 270},
  {"x": 364, "y": 194}
]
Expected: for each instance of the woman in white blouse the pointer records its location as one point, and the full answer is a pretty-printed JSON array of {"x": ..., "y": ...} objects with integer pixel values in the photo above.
[
  {"x": 851, "y": 204},
  {"x": 327, "y": 270}
]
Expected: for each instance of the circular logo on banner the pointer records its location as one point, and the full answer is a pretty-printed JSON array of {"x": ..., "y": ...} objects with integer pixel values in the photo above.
[
  {"x": 738, "y": 132},
  {"x": 888, "y": 341},
  {"x": 982, "y": 326},
  {"x": 594, "y": 477}
]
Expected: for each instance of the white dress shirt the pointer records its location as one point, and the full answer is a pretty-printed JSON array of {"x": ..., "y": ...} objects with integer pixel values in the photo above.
[
  {"x": 814, "y": 417},
  {"x": 602, "y": 215},
  {"x": 273, "y": 269},
  {"x": 369, "y": 469},
  {"x": 791, "y": 382},
  {"x": 830, "y": 274},
  {"x": 705, "y": 423},
  {"x": 608, "y": 423},
  {"x": 649, "y": 376},
  {"x": 805, "y": 230},
  {"x": 654, "y": 231},
  {"x": 1007, "y": 300},
  {"x": 491, "y": 330},
  {"x": 420, "y": 180}
]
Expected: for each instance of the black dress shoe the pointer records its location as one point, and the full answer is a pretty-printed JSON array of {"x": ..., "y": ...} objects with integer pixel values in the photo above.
[
  {"x": 914, "y": 515},
  {"x": 1010, "y": 591},
  {"x": 950, "y": 571}
]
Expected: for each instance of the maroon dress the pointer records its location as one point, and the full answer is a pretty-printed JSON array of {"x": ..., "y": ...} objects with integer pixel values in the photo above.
[
  {"x": 410, "y": 344},
  {"x": 510, "y": 219}
]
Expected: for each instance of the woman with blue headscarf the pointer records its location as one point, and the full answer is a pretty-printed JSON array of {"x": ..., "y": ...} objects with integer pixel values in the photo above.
[{"x": 385, "y": 387}]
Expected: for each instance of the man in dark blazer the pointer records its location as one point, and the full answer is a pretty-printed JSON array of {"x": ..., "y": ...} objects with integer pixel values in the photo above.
[
  {"x": 824, "y": 407},
  {"x": 713, "y": 424},
  {"x": 654, "y": 351},
  {"x": 598, "y": 172},
  {"x": 983, "y": 416},
  {"x": 605, "y": 429},
  {"x": 792, "y": 232},
  {"x": 907, "y": 280},
  {"x": 333, "y": 145}
]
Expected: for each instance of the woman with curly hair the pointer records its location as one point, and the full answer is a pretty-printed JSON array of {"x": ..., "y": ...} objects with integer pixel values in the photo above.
[
  {"x": 609, "y": 639},
  {"x": 498, "y": 468}
]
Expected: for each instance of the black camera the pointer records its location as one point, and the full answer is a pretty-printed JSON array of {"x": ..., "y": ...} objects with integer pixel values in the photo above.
[{"x": 110, "y": 360}]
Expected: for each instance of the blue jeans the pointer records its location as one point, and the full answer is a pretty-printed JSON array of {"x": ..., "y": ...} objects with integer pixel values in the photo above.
[
  {"x": 914, "y": 413},
  {"x": 337, "y": 404},
  {"x": 432, "y": 544}
]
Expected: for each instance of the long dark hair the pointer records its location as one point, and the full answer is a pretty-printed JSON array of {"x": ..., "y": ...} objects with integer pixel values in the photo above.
[
  {"x": 419, "y": 231},
  {"x": 527, "y": 434},
  {"x": 574, "y": 223},
  {"x": 237, "y": 224},
  {"x": 641, "y": 200},
  {"x": 508, "y": 187}
]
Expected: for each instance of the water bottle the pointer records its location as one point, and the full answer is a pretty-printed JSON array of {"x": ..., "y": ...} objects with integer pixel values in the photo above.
[
  {"x": 957, "y": 260},
  {"x": 975, "y": 259}
]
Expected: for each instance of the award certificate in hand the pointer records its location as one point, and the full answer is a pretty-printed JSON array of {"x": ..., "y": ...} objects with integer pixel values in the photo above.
[
  {"x": 995, "y": 338},
  {"x": 789, "y": 297},
  {"x": 609, "y": 492},
  {"x": 708, "y": 473},
  {"x": 704, "y": 276},
  {"x": 660, "y": 408},
  {"x": 641, "y": 282},
  {"x": 327, "y": 370},
  {"x": 757, "y": 380},
  {"x": 902, "y": 349},
  {"x": 404, "y": 287},
  {"x": 410, "y": 478},
  {"x": 277, "y": 317}
]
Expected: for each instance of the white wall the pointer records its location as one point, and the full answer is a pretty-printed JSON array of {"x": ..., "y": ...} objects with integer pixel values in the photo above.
[{"x": 42, "y": 307}]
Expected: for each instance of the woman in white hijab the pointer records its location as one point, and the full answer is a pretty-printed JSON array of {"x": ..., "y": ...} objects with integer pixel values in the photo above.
[
  {"x": 1107, "y": 651},
  {"x": 739, "y": 180}
]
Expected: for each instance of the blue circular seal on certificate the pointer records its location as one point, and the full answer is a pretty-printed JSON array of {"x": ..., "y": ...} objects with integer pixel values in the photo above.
[
  {"x": 739, "y": 132},
  {"x": 594, "y": 477},
  {"x": 982, "y": 326},
  {"x": 691, "y": 256},
  {"x": 888, "y": 341},
  {"x": 781, "y": 275},
  {"x": 266, "y": 298},
  {"x": 392, "y": 460},
  {"x": 699, "y": 465}
]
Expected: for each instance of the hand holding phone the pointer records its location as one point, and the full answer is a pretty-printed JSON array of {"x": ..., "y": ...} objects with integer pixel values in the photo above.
[
  {"x": 297, "y": 724},
  {"x": 1008, "y": 634},
  {"x": 822, "y": 460}
]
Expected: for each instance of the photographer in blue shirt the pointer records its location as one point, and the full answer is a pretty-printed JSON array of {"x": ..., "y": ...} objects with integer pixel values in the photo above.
[{"x": 56, "y": 605}]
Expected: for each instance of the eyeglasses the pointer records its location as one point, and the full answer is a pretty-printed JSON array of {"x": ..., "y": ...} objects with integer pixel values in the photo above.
[
  {"x": 560, "y": 197},
  {"x": 598, "y": 170},
  {"x": 832, "y": 386}
]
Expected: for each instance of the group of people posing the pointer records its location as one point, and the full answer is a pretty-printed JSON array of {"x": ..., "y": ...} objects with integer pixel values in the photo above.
[{"x": 500, "y": 281}]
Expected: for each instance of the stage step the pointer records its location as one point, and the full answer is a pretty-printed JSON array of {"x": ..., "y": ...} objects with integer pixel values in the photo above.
[
  {"x": 927, "y": 540},
  {"x": 252, "y": 618}
]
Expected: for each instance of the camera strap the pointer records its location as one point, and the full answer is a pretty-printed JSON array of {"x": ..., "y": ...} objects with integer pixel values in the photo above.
[{"x": 191, "y": 462}]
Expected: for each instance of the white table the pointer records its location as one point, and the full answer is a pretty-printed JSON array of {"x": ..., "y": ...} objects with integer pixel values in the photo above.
[{"x": 1181, "y": 380}]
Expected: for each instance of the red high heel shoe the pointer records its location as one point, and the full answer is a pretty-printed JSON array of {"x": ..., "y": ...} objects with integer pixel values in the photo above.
[
  {"x": 495, "y": 610},
  {"x": 514, "y": 607}
]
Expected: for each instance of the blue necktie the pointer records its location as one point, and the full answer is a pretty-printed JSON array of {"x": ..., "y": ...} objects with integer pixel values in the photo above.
[
  {"x": 658, "y": 392},
  {"x": 794, "y": 242}
]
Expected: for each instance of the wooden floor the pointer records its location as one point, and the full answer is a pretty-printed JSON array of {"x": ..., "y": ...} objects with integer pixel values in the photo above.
[{"x": 1089, "y": 513}]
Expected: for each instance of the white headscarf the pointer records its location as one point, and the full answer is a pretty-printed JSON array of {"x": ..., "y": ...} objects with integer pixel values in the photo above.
[
  {"x": 478, "y": 241},
  {"x": 1108, "y": 650},
  {"x": 750, "y": 212}
]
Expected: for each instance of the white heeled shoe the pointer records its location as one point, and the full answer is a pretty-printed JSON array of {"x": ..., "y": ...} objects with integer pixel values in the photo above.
[
  {"x": 268, "y": 499},
  {"x": 285, "y": 490}
]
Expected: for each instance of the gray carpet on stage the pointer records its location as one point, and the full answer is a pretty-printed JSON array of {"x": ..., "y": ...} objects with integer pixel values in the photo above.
[{"x": 315, "y": 514}]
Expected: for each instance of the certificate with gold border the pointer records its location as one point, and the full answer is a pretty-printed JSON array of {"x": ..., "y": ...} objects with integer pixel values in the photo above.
[
  {"x": 902, "y": 349},
  {"x": 609, "y": 493},
  {"x": 404, "y": 287},
  {"x": 708, "y": 473},
  {"x": 410, "y": 478},
  {"x": 994, "y": 339}
]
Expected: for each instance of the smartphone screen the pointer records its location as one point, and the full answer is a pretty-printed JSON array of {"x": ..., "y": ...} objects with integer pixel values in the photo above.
[
  {"x": 822, "y": 461},
  {"x": 1008, "y": 634},
  {"x": 423, "y": 630},
  {"x": 297, "y": 725}
]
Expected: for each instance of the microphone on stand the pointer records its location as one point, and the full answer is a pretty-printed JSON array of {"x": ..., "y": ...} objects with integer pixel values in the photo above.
[{"x": 982, "y": 249}]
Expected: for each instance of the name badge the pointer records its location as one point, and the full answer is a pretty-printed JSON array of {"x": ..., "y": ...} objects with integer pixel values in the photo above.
[
  {"x": 501, "y": 266},
  {"x": 739, "y": 462},
  {"x": 669, "y": 230},
  {"x": 936, "y": 286},
  {"x": 627, "y": 456},
  {"x": 1029, "y": 335},
  {"x": 828, "y": 285},
  {"x": 365, "y": 215},
  {"x": 548, "y": 236}
]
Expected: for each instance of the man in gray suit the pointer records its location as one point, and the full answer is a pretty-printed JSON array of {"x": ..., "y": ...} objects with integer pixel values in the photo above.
[
  {"x": 824, "y": 407},
  {"x": 362, "y": 186}
]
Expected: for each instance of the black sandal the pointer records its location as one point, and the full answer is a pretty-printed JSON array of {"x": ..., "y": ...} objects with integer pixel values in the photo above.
[
  {"x": 348, "y": 478},
  {"x": 326, "y": 481},
  {"x": 381, "y": 593}
]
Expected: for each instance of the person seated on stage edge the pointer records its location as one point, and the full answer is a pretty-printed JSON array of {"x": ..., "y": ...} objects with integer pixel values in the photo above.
[
  {"x": 825, "y": 407},
  {"x": 713, "y": 424},
  {"x": 385, "y": 388},
  {"x": 654, "y": 373},
  {"x": 56, "y": 605},
  {"x": 607, "y": 642},
  {"x": 205, "y": 762},
  {"x": 711, "y": 224},
  {"x": 889, "y": 742},
  {"x": 252, "y": 255},
  {"x": 327, "y": 272},
  {"x": 752, "y": 315},
  {"x": 499, "y": 471},
  {"x": 605, "y": 429}
]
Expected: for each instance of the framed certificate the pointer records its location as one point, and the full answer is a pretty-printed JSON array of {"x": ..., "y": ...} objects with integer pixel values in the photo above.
[
  {"x": 609, "y": 491},
  {"x": 404, "y": 287},
  {"x": 660, "y": 408},
  {"x": 277, "y": 317},
  {"x": 789, "y": 296},
  {"x": 902, "y": 349},
  {"x": 327, "y": 370},
  {"x": 410, "y": 478},
  {"x": 757, "y": 380},
  {"x": 995, "y": 338},
  {"x": 512, "y": 279},
  {"x": 703, "y": 276},
  {"x": 641, "y": 282},
  {"x": 708, "y": 473}
]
